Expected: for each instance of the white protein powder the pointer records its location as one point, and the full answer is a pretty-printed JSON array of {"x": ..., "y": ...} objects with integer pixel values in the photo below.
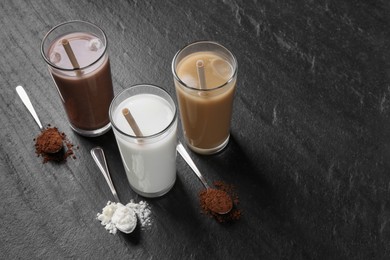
[
  {"x": 116, "y": 215},
  {"x": 143, "y": 212}
]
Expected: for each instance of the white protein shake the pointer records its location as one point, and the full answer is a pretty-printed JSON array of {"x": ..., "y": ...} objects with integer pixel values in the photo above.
[{"x": 150, "y": 162}]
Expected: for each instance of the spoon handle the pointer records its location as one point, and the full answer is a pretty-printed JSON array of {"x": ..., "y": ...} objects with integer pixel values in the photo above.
[
  {"x": 98, "y": 155},
  {"x": 182, "y": 151},
  {"x": 26, "y": 101}
]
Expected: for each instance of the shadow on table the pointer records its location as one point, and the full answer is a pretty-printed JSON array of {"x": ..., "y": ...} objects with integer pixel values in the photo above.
[
  {"x": 133, "y": 238},
  {"x": 173, "y": 215},
  {"x": 247, "y": 172}
]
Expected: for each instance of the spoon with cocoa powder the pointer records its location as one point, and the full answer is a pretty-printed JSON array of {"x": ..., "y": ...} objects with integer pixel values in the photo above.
[
  {"x": 217, "y": 201},
  {"x": 49, "y": 140}
]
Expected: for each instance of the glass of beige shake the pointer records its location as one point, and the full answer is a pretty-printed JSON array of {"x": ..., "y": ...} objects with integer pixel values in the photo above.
[{"x": 205, "y": 75}]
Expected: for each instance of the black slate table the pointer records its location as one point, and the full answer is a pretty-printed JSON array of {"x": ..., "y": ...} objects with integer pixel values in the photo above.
[{"x": 310, "y": 137}]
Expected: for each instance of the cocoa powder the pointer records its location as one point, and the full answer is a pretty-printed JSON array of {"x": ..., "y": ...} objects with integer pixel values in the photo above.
[
  {"x": 217, "y": 200},
  {"x": 53, "y": 145},
  {"x": 209, "y": 197},
  {"x": 49, "y": 141}
]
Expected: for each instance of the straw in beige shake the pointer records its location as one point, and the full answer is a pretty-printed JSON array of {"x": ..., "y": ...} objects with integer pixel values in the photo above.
[{"x": 201, "y": 75}]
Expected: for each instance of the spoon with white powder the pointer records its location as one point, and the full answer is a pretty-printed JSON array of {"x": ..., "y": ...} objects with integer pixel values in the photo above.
[{"x": 114, "y": 215}]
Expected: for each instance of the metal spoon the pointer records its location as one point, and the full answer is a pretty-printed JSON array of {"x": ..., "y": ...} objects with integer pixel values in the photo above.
[
  {"x": 182, "y": 151},
  {"x": 100, "y": 159},
  {"x": 26, "y": 101}
]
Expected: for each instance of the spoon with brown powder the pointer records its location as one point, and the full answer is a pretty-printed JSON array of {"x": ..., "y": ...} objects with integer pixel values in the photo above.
[
  {"x": 218, "y": 200},
  {"x": 49, "y": 140}
]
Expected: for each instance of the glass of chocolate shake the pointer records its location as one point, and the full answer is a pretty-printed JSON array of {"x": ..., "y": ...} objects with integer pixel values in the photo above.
[
  {"x": 76, "y": 55},
  {"x": 205, "y": 75}
]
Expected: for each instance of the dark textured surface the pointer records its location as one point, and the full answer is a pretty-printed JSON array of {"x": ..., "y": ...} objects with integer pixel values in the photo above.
[{"x": 310, "y": 139}]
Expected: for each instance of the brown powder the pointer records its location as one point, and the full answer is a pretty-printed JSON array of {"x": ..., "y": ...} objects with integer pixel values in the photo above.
[
  {"x": 49, "y": 141},
  {"x": 216, "y": 200},
  {"x": 53, "y": 145},
  {"x": 208, "y": 197}
]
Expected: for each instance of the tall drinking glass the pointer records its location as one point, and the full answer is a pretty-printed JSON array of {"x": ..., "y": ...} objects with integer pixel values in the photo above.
[
  {"x": 76, "y": 55},
  {"x": 205, "y": 75},
  {"x": 149, "y": 157}
]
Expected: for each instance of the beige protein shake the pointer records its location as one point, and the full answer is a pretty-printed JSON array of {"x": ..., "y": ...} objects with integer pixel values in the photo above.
[{"x": 206, "y": 108}]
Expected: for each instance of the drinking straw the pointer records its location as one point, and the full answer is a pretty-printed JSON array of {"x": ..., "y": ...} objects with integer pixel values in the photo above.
[
  {"x": 201, "y": 75},
  {"x": 133, "y": 124},
  {"x": 72, "y": 57}
]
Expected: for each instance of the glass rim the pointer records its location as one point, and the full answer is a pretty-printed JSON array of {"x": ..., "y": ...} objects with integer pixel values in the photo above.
[
  {"x": 47, "y": 59},
  {"x": 235, "y": 66},
  {"x": 110, "y": 113}
]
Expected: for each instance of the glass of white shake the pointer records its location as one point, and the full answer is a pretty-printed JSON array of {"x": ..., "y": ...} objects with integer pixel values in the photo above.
[{"x": 149, "y": 160}]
